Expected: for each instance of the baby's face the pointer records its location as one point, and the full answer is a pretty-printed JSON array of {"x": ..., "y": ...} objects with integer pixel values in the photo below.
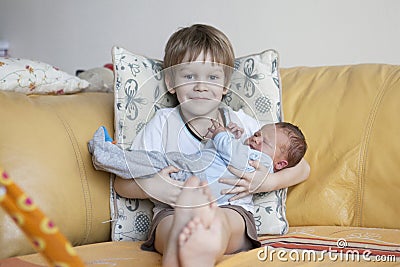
[{"x": 268, "y": 140}]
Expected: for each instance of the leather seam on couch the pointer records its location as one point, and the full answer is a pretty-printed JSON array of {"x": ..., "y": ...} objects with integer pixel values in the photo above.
[
  {"x": 365, "y": 144},
  {"x": 83, "y": 176}
]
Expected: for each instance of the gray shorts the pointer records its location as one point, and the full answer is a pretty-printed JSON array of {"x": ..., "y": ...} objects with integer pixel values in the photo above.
[{"x": 247, "y": 216}]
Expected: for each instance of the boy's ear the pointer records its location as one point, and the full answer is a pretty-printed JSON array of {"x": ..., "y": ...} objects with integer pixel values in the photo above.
[
  {"x": 281, "y": 164},
  {"x": 226, "y": 88},
  {"x": 169, "y": 83}
]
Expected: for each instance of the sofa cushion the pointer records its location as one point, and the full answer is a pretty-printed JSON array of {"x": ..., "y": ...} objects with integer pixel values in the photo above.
[{"x": 376, "y": 244}]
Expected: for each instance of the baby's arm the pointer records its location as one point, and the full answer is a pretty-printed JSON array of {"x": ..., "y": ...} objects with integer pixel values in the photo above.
[{"x": 232, "y": 151}]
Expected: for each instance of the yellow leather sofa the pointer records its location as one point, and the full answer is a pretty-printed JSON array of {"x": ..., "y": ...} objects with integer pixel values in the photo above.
[{"x": 350, "y": 203}]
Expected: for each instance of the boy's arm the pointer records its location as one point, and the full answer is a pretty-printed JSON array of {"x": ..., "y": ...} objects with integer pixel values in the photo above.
[
  {"x": 128, "y": 188},
  {"x": 286, "y": 177},
  {"x": 154, "y": 187},
  {"x": 262, "y": 181}
]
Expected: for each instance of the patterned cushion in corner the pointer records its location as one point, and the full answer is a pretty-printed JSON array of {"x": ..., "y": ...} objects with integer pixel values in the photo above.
[
  {"x": 140, "y": 90},
  {"x": 131, "y": 217},
  {"x": 35, "y": 77}
]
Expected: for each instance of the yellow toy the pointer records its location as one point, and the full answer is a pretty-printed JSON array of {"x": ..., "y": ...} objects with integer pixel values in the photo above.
[{"x": 41, "y": 231}]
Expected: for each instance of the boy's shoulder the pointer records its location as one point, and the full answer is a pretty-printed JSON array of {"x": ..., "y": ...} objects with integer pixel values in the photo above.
[
  {"x": 240, "y": 113},
  {"x": 161, "y": 117},
  {"x": 167, "y": 112},
  {"x": 164, "y": 110}
]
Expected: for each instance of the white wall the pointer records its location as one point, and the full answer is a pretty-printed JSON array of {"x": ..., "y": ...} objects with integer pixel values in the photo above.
[{"x": 77, "y": 34}]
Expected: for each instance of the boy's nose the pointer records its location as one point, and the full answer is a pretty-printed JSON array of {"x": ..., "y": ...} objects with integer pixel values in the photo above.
[{"x": 200, "y": 86}]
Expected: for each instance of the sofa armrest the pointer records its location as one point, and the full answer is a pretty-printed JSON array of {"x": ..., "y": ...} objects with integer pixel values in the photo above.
[{"x": 44, "y": 148}]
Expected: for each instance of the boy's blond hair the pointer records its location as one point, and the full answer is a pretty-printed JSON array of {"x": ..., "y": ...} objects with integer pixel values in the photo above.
[{"x": 196, "y": 39}]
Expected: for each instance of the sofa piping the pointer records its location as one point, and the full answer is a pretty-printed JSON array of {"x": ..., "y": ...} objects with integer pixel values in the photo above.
[
  {"x": 83, "y": 176},
  {"x": 365, "y": 145}
]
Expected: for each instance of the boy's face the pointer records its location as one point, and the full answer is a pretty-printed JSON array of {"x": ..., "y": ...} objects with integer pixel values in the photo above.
[
  {"x": 199, "y": 85},
  {"x": 270, "y": 141}
]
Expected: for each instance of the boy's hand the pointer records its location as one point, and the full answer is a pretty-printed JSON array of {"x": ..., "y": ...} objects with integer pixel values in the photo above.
[
  {"x": 249, "y": 182},
  {"x": 161, "y": 186}
]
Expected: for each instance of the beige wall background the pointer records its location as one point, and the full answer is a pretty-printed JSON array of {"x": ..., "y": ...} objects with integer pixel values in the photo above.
[{"x": 78, "y": 34}]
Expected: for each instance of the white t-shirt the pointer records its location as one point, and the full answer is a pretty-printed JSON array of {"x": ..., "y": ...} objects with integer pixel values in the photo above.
[{"x": 166, "y": 132}]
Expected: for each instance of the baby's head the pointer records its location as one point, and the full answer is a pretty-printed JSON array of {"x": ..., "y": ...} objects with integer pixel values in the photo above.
[
  {"x": 282, "y": 141},
  {"x": 199, "y": 42}
]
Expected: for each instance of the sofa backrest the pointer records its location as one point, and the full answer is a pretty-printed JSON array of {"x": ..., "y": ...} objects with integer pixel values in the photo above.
[
  {"x": 43, "y": 147},
  {"x": 349, "y": 115}
]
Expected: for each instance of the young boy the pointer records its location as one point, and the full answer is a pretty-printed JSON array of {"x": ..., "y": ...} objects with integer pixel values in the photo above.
[
  {"x": 276, "y": 146},
  {"x": 198, "y": 62}
]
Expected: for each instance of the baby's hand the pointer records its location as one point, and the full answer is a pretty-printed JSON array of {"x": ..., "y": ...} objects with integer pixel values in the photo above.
[
  {"x": 216, "y": 128},
  {"x": 235, "y": 130}
]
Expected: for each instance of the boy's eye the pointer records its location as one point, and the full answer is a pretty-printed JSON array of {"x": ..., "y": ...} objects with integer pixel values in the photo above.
[
  {"x": 189, "y": 76},
  {"x": 214, "y": 77}
]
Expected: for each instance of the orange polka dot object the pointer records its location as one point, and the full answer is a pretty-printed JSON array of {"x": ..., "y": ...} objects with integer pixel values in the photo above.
[{"x": 41, "y": 231}]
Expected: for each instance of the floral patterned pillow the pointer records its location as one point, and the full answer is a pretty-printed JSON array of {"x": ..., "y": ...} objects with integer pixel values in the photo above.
[
  {"x": 140, "y": 90},
  {"x": 35, "y": 77}
]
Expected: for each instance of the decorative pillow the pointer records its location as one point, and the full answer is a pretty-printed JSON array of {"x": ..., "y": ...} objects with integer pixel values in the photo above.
[
  {"x": 35, "y": 77},
  {"x": 255, "y": 86},
  {"x": 140, "y": 90}
]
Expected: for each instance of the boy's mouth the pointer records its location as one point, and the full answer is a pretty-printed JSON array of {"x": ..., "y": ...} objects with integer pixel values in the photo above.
[{"x": 199, "y": 98}]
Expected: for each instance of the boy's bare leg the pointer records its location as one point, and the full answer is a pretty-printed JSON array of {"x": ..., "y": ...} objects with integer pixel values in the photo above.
[
  {"x": 199, "y": 246},
  {"x": 194, "y": 201}
]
